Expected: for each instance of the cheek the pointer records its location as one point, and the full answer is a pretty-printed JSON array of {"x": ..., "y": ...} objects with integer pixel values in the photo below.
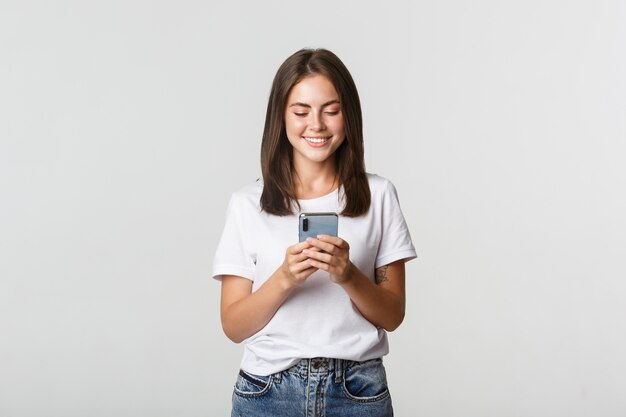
[
  {"x": 294, "y": 125},
  {"x": 337, "y": 126}
]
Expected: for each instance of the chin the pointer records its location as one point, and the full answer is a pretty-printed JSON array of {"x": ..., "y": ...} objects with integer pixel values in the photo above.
[{"x": 316, "y": 157}]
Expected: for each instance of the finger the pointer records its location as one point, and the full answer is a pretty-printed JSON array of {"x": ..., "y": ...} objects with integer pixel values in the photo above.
[
  {"x": 294, "y": 259},
  {"x": 313, "y": 249},
  {"x": 306, "y": 273},
  {"x": 318, "y": 256},
  {"x": 300, "y": 267},
  {"x": 337, "y": 241},
  {"x": 319, "y": 265},
  {"x": 325, "y": 246},
  {"x": 298, "y": 247}
]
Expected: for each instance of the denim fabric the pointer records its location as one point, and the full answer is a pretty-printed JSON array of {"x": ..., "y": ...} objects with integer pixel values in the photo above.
[{"x": 318, "y": 387}]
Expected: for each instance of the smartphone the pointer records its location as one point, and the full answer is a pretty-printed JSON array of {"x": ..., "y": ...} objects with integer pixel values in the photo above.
[{"x": 313, "y": 224}]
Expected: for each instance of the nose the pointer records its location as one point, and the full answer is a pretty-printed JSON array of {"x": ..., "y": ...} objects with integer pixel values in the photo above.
[{"x": 317, "y": 122}]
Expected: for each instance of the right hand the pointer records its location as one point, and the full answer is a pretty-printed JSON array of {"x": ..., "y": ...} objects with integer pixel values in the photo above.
[{"x": 296, "y": 267}]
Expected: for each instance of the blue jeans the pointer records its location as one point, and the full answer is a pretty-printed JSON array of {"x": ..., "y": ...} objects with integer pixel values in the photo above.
[{"x": 318, "y": 387}]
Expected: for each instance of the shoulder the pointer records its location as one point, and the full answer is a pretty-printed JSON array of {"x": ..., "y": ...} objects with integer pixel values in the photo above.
[
  {"x": 248, "y": 196},
  {"x": 379, "y": 186}
]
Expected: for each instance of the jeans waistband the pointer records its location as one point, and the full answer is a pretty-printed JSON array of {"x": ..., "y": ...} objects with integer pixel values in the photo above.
[{"x": 318, "y": 367}]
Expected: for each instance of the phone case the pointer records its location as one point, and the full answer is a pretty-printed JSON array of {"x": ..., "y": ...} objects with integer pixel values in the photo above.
[{"x": 314, "y": 224}]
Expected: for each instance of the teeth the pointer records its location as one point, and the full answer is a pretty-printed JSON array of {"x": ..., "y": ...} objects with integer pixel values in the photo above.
[{"x": 316, "y": 140}]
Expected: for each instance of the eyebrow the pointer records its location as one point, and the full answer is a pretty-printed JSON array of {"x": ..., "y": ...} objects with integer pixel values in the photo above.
[{"x": 309, "y": 106}]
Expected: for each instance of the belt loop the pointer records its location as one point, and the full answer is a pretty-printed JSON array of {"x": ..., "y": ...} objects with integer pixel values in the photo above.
[
  {"x": 338, "y": 370},
  {"x": 277, "y": 377}
]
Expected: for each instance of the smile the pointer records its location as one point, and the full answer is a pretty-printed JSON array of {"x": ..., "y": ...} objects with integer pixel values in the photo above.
[{"x": 315, "y": 140}]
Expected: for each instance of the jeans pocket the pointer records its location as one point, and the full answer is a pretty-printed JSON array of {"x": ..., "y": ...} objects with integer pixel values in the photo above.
[
  {"x": 366, "y": 381},
  {"x": 249, "y": 385}
]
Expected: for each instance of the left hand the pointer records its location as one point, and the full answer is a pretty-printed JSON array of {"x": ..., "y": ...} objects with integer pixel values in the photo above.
[{"x": 332, "y": 255}]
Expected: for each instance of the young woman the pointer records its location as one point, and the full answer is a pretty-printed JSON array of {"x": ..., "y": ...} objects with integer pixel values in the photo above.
[{"x": 314, "y": 315}]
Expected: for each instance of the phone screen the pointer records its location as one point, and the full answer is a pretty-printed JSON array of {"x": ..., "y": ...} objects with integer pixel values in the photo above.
[{"x": 314, "y": 224}]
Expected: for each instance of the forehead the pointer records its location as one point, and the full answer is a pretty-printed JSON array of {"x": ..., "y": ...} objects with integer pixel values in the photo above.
[{"x": 313, "y": 89}]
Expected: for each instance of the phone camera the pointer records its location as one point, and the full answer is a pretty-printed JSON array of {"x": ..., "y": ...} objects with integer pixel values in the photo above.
[{"x": 305, "y": 225}]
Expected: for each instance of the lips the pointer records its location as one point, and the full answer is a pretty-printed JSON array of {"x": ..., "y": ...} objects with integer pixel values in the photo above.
[{"x": 317, "y": 142}]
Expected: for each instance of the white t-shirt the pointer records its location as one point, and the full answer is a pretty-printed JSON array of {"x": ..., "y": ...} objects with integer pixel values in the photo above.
[{"x": 318, "y": 318}]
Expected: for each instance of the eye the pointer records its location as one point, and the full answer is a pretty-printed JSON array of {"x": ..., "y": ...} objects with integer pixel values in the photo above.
[
  {"x": 300, "y": 114},
  {"x": 332, "y": 113}
]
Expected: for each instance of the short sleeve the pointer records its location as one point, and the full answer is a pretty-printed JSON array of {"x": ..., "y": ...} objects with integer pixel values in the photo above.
[
  {"x": 234, "y": 254},
  {"x": 396, "y": 240}
]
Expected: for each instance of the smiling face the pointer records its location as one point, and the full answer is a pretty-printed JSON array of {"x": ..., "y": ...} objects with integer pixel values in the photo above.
[{"x": 314, "y": 121}]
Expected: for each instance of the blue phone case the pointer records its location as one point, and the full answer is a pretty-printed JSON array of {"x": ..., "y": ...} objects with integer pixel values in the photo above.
[{"x": 314, "y": 224}]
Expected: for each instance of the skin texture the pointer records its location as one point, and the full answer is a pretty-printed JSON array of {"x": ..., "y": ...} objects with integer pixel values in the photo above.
[
  {"x": 313, "y": 110},
  {"x": 381, "y": 274}
]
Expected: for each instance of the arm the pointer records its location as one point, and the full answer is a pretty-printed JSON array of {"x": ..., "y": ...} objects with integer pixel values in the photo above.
[
  {"x": 381, "y": 303},
  {"x": 244, "y": 312}
]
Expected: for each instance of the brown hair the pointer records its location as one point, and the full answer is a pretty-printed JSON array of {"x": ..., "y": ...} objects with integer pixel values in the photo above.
[{"x": 278, "y": 194}]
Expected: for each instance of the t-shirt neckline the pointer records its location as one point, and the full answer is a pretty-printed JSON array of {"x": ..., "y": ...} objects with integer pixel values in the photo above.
[{"x": 320, "y": 198}]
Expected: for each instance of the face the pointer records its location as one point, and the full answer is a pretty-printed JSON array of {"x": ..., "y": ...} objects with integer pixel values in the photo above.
[{"x": 313, "y": 120}]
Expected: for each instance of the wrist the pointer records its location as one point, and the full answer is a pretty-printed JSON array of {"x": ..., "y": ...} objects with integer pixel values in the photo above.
[
  {"x": 284, "y": 280},
  {"x": 349, "y": 277}
]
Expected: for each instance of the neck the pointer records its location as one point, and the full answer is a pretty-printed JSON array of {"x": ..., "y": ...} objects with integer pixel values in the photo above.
[{"x": 313, "y": 180}]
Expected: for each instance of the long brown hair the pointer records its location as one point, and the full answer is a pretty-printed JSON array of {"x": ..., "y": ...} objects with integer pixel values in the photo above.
[{"x": 278, "y": 195}]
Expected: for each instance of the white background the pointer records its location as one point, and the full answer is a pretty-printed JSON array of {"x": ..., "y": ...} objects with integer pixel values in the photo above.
[{"x": 125, "y": 126}]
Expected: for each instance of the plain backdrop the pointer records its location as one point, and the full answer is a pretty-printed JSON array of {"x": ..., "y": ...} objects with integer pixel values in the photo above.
[{"x": 125, "y": 126}]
